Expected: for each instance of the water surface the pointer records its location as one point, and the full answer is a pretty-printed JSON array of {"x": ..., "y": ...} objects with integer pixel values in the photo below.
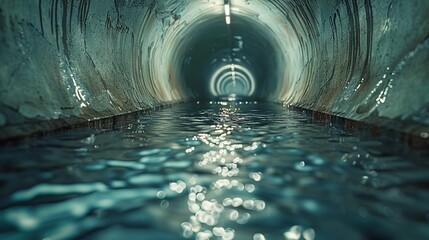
[{"x": 214, "y": 171}]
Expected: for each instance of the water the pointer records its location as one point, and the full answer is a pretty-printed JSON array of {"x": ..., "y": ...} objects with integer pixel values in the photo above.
[{"x": 213, "y": 171}]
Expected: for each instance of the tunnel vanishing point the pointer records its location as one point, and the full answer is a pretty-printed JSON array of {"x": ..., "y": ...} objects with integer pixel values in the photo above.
[{"x": 71, "y": 61}]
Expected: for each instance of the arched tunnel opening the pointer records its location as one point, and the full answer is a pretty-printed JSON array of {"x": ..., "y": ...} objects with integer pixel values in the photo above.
[
  {"x": 214, "y": 119},
  {"x": 237, "y": 58},
  {"x": 78, "y": 61}
]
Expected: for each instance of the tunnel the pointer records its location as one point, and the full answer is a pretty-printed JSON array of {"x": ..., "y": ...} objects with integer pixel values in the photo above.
[
  {"x": 68, "y": 64},
  {"x": 76, "y": 61}
]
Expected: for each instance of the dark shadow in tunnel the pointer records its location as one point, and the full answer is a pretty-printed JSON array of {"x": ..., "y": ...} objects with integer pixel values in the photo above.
[{"x": 216, "y": 59}]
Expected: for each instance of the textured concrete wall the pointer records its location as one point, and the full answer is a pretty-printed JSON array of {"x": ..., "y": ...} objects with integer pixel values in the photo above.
[
  {"x": 363, "y": 60},
  {"x": 71, "y": 61},
  {"x": 63, "y": 62}
]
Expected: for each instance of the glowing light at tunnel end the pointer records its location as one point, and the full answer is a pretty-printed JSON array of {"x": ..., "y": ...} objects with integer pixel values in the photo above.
[{"x": 232, "y": 80}]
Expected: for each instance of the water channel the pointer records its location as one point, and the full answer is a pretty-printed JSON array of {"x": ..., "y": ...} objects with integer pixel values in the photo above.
[{"x": 215, "y": 170}]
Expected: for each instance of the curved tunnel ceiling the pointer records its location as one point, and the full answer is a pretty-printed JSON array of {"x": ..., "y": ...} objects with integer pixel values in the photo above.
[{"x": 77, "y": 60}]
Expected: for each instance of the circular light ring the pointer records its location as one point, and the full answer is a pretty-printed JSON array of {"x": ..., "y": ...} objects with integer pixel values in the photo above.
[
  {"x": 226, "y": 78},
  {"x": 223, "y": 72},
  {"x": 228, "y": 75},
  {"x": 238, "y": 88}
]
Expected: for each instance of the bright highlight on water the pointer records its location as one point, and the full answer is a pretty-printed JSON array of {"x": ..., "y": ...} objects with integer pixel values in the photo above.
[{"x": 227, "y": 170}]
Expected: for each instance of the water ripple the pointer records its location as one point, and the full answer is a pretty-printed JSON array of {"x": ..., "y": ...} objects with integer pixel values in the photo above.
[{"x": 250, "y": 171}]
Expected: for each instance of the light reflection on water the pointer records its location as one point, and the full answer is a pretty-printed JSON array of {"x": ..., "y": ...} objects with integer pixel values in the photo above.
[{"x": 216, "y": 171}]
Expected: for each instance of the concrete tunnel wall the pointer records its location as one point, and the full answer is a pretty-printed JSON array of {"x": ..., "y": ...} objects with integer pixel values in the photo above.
[{"x": 70, "y": 61}]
